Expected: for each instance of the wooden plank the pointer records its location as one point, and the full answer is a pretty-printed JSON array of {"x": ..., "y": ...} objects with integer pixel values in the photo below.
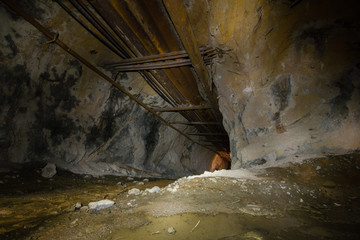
[{"x": 178, "y": 109}]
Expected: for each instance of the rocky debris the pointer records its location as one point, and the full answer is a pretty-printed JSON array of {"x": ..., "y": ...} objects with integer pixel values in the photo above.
[
  {"x": 74, "y": 222},
  {"x": 329, "y": 184},
  {"x": 171, "y": 230},
  {"x": 140, "y": 183},
  {"x": 124, "y": 185},
  {"x": 173, "y": 188},
  {"x": 99, "y": 205},
  {"x": 49, "y": 170},
  {"x": 77, "y": 206},
  {"x": 213, "y": 180},
  {"x": 134, "y": 191},
  {"x": 146, "y": 180},
  {"x": 84, "y": 208},
  {"x": 153, "y": 190},
  {"x": 132, "y": 203},
  {"x": 271, "y": 157},
  {"x": 1, "y": 182},
  {"x": 130, "y": 178}
]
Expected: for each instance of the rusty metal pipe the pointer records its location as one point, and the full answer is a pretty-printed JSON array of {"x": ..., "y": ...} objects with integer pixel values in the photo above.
[
  {"x": 72, "y": 14},
  {"x": 153, "y": 65},
  {"x": 85, "y": 12},
  {"x": 158, "y": 57}
]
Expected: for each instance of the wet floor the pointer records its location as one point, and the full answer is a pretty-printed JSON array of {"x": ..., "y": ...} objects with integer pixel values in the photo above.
[
  {"x": 315, "y": 199},
  {"x": 28, "y": 200}
]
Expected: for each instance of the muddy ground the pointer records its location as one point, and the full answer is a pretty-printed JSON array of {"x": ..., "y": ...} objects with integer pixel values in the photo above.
[{"x": 314, "y": 199}]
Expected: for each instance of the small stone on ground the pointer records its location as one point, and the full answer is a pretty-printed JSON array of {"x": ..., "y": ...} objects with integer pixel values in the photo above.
[
  {"x": 171, "y": 230},
  {"x": 49, "y": 170},
  {"x": 134, "y": 191},
  {"x": 99, "y": 205}
]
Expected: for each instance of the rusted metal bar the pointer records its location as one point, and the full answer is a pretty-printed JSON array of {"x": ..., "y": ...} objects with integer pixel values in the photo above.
[
  {"x": 197, "y": 123},
  {"x": 157, "y": 88},
  {"x": 120, "y": 44},
  {"x": 177, "y": 109},
  {"x": 218, "y": 140},
  {"x": 151, "y": 80},
  {"x": 144, "y": 27},
  {"x": 100, "y": 26},
  {"x": 118, "y": 17},
  {"x": 73, "y": 15},
  {"x": 208, "y": 134},
  {"x": 294, "y": 3},
  {"x": 152, "y": 65},
  {"x": 158, "y": 57},
  {"x": 51, "y": 36}
]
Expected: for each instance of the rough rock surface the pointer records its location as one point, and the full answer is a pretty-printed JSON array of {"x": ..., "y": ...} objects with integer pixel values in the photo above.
[
  {"x": 54, "y": 108},
  {"x": 289, "y": 82},
  {"x": 49, "y": 170},
  {"x": 153, "y": 190},
  {"x": 100, "y": 205},
  {"x": 134, "y": 191}
]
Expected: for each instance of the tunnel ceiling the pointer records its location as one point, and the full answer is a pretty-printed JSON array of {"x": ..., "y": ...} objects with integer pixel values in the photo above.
[{"x": 155, "y": 38}]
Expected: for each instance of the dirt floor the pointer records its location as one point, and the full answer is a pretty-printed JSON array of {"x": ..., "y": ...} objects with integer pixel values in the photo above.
[{"x": 314, "y": 199}]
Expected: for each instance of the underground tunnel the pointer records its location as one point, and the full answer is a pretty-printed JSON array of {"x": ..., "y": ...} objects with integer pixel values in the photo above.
[{"x": 179, "y": 119}]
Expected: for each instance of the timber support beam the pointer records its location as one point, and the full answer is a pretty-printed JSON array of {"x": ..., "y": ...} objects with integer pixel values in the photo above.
[{"x": 179, "y": 17}]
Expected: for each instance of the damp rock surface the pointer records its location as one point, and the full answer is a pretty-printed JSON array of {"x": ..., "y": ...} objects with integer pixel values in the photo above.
[
  {"x": 100, "y": 205},
  {"x": 48, "y": 171},
  {"x": 287, "y": 79}
]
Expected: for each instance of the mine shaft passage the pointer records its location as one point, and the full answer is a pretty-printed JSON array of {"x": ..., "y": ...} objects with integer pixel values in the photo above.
[{"x": 221, "y": 161}]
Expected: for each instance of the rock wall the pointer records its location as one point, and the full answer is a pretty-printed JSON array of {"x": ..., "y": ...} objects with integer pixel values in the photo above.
[
  {"x": 289, "y": 81},
  {"x": 54, "y": 109}
]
